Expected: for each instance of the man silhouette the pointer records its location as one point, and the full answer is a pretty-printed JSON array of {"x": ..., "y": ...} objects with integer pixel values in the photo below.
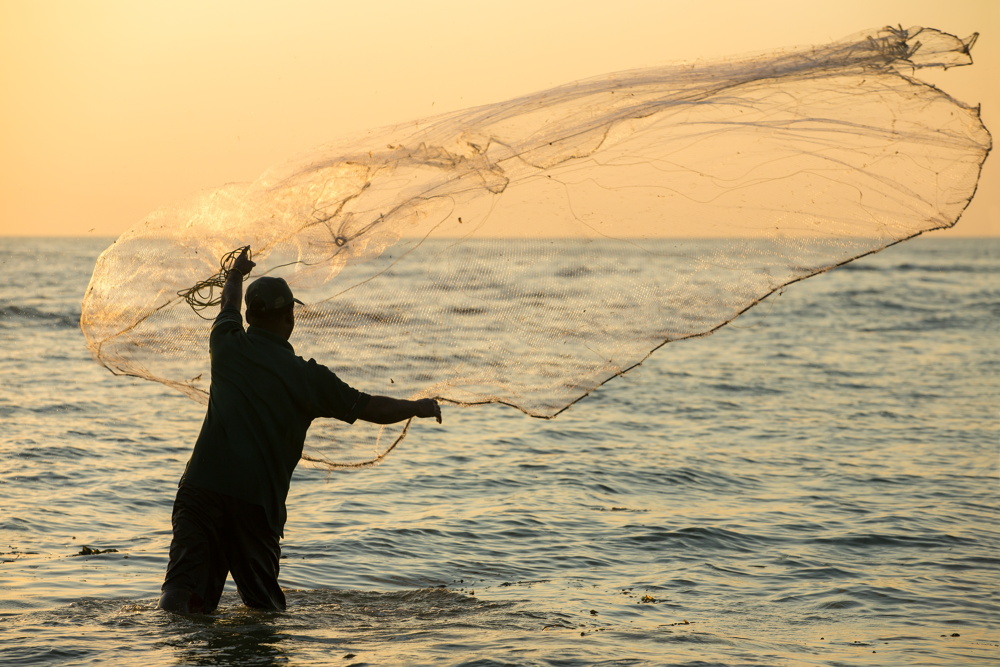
[{"x": 229, "y": 512}]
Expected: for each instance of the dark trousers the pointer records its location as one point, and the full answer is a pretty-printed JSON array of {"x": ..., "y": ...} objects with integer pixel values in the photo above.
[{"x": 215, "y": 534}]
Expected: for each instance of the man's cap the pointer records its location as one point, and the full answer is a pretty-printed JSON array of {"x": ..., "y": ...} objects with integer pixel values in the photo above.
[{"x": 268, "y": 294}]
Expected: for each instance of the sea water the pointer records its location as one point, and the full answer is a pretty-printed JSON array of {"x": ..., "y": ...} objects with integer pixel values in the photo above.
[{"x": 815, "y": 484}]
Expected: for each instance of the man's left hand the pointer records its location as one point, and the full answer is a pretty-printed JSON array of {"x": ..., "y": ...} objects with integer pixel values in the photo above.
[
  {"x": 428, "y": 407},
  {"x": 243, "y": 264}
]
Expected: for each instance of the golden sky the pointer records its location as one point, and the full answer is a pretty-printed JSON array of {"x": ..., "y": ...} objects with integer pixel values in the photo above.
[{"x": 110, "y": 109}]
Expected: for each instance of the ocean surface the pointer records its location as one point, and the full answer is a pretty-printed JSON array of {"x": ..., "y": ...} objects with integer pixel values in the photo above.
[{"x": 815, "y": 484}]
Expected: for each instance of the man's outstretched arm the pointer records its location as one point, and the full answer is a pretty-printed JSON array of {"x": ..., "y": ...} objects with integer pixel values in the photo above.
[
  {"x": 386, "y": 410},
  {"x": 232, "y": 291}
]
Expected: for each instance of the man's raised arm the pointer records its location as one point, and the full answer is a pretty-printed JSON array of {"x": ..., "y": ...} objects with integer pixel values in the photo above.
[{"x": 232, "y": 291}]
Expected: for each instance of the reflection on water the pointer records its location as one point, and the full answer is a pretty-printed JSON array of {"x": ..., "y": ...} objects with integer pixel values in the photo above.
[{"x": 247, "y": 638}]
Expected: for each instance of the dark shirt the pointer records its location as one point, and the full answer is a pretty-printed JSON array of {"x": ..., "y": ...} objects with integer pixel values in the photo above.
[{"x": 262, "y": 400}]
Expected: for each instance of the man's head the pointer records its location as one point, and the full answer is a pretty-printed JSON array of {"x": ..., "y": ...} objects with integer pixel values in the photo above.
[{"x": 270, "y": 305}]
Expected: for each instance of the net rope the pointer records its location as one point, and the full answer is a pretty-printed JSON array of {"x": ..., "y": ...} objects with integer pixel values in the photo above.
[
  {"x": 526, "y": 252},
  {"x": 202, "y": 295}
]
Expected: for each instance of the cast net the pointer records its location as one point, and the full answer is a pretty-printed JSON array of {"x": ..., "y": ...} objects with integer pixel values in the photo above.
[{"x": 526, "y": 252}]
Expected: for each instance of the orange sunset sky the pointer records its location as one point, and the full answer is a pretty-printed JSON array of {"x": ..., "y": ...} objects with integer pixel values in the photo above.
[{"x": 110, "y": 109}]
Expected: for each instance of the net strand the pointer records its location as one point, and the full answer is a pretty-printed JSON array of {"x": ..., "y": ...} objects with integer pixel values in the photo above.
[{"x": 525, "y": 253}]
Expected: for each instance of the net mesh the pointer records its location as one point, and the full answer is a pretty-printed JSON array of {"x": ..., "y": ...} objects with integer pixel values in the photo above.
[{"x": 528, "y": 251}]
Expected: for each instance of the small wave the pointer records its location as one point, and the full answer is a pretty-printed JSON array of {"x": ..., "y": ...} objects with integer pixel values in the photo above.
[
  {"x": 859, "y": 266},
  {"x": 693, "y": 477},
  {"x": 755, "y": 390},
  {"x": 53, "y": 453},
  {"x": 863, "y": 595},
  {"x": 13, "y": 314},
  {"x": 45, "y": 655},
  {"x": 618, "y": 509},
  {"x": 925, "y": 324},
  {"x": 900, "y": 541},
  {"x": 913, "y": 267},
  {"x": 969, "y": 563},
  {"x": 700, "y": 537},
  {"x": 574, "y": 272},
  {"x": 57, "y": 408},
  {"x": 467, "y": 310},
  {"x": 941, "y": 268}
]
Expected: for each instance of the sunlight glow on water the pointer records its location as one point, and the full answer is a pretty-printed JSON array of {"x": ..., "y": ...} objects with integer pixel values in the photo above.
[{"x": 814, "y": 484}]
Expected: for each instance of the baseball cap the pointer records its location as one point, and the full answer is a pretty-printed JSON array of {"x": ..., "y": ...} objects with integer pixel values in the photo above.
[{"x": 268, "y": 294}]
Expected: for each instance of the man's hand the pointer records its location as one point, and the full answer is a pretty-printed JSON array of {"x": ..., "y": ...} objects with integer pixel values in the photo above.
[
  {"x": 428, "y": 407},
  {"x": 243, "y": 263},
  {"x": 232, "y": 291}
]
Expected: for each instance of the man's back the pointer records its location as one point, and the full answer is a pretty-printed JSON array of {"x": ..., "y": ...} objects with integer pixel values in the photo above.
[{"x": 262, "y": 400}]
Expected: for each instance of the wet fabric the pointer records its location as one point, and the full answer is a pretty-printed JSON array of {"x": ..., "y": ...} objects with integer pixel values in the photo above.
[{"x": 214, "y": 535}]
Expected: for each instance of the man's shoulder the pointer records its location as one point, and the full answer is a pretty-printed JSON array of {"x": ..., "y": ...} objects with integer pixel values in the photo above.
[
  {"x": 228, "y": 318},
  {"x": 318, "y": 373},
  {"x": 313, "y": 367},
  {"x": 335, "y": 398},
  {"x": 227, "y": 323}
]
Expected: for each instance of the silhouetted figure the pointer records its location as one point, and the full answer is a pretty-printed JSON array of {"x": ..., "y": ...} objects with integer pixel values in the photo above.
[{"x": 229, "y": 513}]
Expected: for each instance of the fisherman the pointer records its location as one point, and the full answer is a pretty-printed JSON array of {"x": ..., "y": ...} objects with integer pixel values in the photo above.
[{"x": 229, "y": 512}]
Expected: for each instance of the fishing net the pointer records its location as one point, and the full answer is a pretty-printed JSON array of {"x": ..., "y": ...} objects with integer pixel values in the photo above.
[{"x": 526, "y": 252}]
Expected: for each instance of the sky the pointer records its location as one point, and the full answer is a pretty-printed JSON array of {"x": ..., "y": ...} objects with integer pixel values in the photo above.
[{"x": 111, "y": 109}]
